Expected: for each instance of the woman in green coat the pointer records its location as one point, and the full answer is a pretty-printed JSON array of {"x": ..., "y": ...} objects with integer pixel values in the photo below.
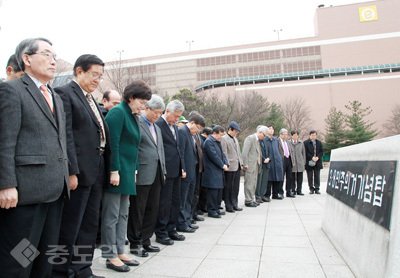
[{"x": 125, "y": 138}]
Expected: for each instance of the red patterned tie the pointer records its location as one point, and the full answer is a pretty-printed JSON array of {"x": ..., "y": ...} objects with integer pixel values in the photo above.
[{"x": 47, "y": 96}]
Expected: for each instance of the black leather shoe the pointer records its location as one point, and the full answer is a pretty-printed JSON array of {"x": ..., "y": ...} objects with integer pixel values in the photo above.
[
  {"x": 95, "y": 276},
  {"x": 277, "y": 197},
  {"x": 266, "y": 199},
  {"x": 193, "y": 226},
  {"x": 110, "y": 265},
  {"x": 257, "y": 204},
  {"x": 237, "y": 209},
  {"x": 198, "y": 218},
  {"x": 187, "y": 230},
  {"x": 151, "y": 249},
  {"x": 290, "y": 195},
  {"x": 214, "y": 215},
  {"x": 311, "y": 191},
  {"x": 229, "y": 210},
  {"x": 317, "y": 191},
  {"x": 221, "y": 212},
  {"x": 139, "y": 251},
  {"x": 251, "y": 205},
  {"x": 131, "y": 262},
  {"x": 220, "y": 207},
  {"x": 176, "y": 236},
  {"x": 300, "y": 193},
  {"x": 192, "y": 221},
  {"x": 199, "y": 212},
  {"x": 164, "y": 241}
]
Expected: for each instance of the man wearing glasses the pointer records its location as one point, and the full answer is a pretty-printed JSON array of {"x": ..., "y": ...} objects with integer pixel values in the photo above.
[
  {"x": 33, "y": 163},
  {"x": 89, "y": 168},
  {"x": 188, "y": 149}
]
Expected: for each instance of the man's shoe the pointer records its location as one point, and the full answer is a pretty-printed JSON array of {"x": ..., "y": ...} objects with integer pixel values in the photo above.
[
  {"x": 193, "y": 226},
  {"x": 214, "y": 215},
  {"x": 139, "y": 251},
  {"x": 251, "y": 205},
  {"x": 221, "y": 213},
  {"x": 198, "y": 218},
  {"x": 311, "y": 191},
  {"x": 110, "y": 265},
  {"x": 200, "y": 212},
  {"x": 300, "y": 193},
  {"x": 131, "y": 262},
  {"x": 192, "y": 221},
  {"x": 277, "y": 197},
  {"x": 260, "y": 201},
  {"x": 237, "y": 209},
  {"x": 95, "y": 276},
  {"x": 290, "y": 195},
  {"x": 187, "y": 230},
  {"x": 176, "y": 236},
  {"x": 317, "y": 191},
  {"x": 164, "y": 241},
  {"x": 266, "y": 199},
  {"x": 220, "y": 207},
  {"x": 229, "y": 210},
  {"x": 257, "y": 204},
  {"x": 151, "y": 249}
]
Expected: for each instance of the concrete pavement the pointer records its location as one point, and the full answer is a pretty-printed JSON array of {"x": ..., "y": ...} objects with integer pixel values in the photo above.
[{"x": 282, "y": 238}]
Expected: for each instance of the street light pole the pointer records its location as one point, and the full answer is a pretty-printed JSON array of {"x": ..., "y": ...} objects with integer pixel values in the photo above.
[
  {"x": 277, "y": 31},
  {"x": 190, "y": 44}
]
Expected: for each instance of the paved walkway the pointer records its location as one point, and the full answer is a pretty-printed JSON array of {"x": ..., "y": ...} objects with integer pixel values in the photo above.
[{"x": 278, "y": 239}]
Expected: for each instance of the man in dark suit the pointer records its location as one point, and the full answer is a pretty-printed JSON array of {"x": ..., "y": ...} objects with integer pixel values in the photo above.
[
  {"x": 314, "y": 153},
  {"x": 143, "y": 208},
  {"x": 33, "y": 164},
  {"x": 13, "y": 71},
  {"x": 168, "y": 210},
  {"x": 89, "y": 168},
  {"x": 215, "y": 163},
  {"x": 111, "y": 98},
  {"x": 190, "y": 154},
  {"x": 262, "y": 178},
  {"x": 286, "y": 152},
  {"x": 201, "y": 204}
]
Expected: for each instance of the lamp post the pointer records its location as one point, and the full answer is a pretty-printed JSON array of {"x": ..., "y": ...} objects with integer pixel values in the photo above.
[
  {"x": 190, "y": 44},
  {"x": 277, "y": 31}
]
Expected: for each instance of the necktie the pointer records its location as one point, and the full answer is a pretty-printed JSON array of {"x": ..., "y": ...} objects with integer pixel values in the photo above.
[
  {"x": 153, "y": 132},
  {"x": 171, "y": 127},
  {"x": 99, "y": 120},
  {"x": 200, "y": 152},
  {"x": 285, "y": 149},
  {"x": 47, "y": 96}
]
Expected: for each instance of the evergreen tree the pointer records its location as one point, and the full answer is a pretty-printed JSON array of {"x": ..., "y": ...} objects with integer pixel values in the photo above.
[
  {"x": 335, "y": 130},
  {"x": 359, "y": 130}
]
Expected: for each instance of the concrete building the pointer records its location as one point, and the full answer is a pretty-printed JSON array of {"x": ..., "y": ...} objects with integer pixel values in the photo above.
[{"x": 354, "y": 55}]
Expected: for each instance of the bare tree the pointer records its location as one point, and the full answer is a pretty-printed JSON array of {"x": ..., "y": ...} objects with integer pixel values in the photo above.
[
  {"x": 392, "y": 125},
  {"x": 296, "y": 113}
]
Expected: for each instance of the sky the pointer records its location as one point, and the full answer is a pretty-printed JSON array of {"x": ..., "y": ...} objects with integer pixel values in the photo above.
[{"x": 135, "y": 29}]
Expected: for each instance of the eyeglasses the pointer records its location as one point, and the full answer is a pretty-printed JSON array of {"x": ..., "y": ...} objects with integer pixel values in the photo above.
[
  {"x": 96, "y": 76},
  {"x": 49, "y": 56}
]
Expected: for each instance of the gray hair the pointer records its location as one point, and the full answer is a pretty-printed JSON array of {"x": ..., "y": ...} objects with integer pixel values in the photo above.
[
  {"x": 263, "y": 129},
  {"x": 283, "y": 130},
  {"x": 175, "y": 105},
  {"x": 28, "y": 46},
  {"x": 156, "y": 102}
]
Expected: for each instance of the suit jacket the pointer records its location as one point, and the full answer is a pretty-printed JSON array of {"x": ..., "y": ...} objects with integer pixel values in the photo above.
[
  {"x": 251, "y": 153},
  {"x": 230, "y": 147},
  {"x": 33, "y": 149},
  {"x": 275, "y": 172},
  {"x": 187, "y": 148},
  {"x": 282, "y": 152},
  {"x": 173, "y": 158},
  {"x": 124, "y": 138},
  {"x": 310, "y": 153},
  {"x": 83, "y": 139},
  {"x": 214, "y": 160},
  {"x": 264, "y": 154},
  {"x": 150, "y": 154},
  {"x": 298, "y": 156}
]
